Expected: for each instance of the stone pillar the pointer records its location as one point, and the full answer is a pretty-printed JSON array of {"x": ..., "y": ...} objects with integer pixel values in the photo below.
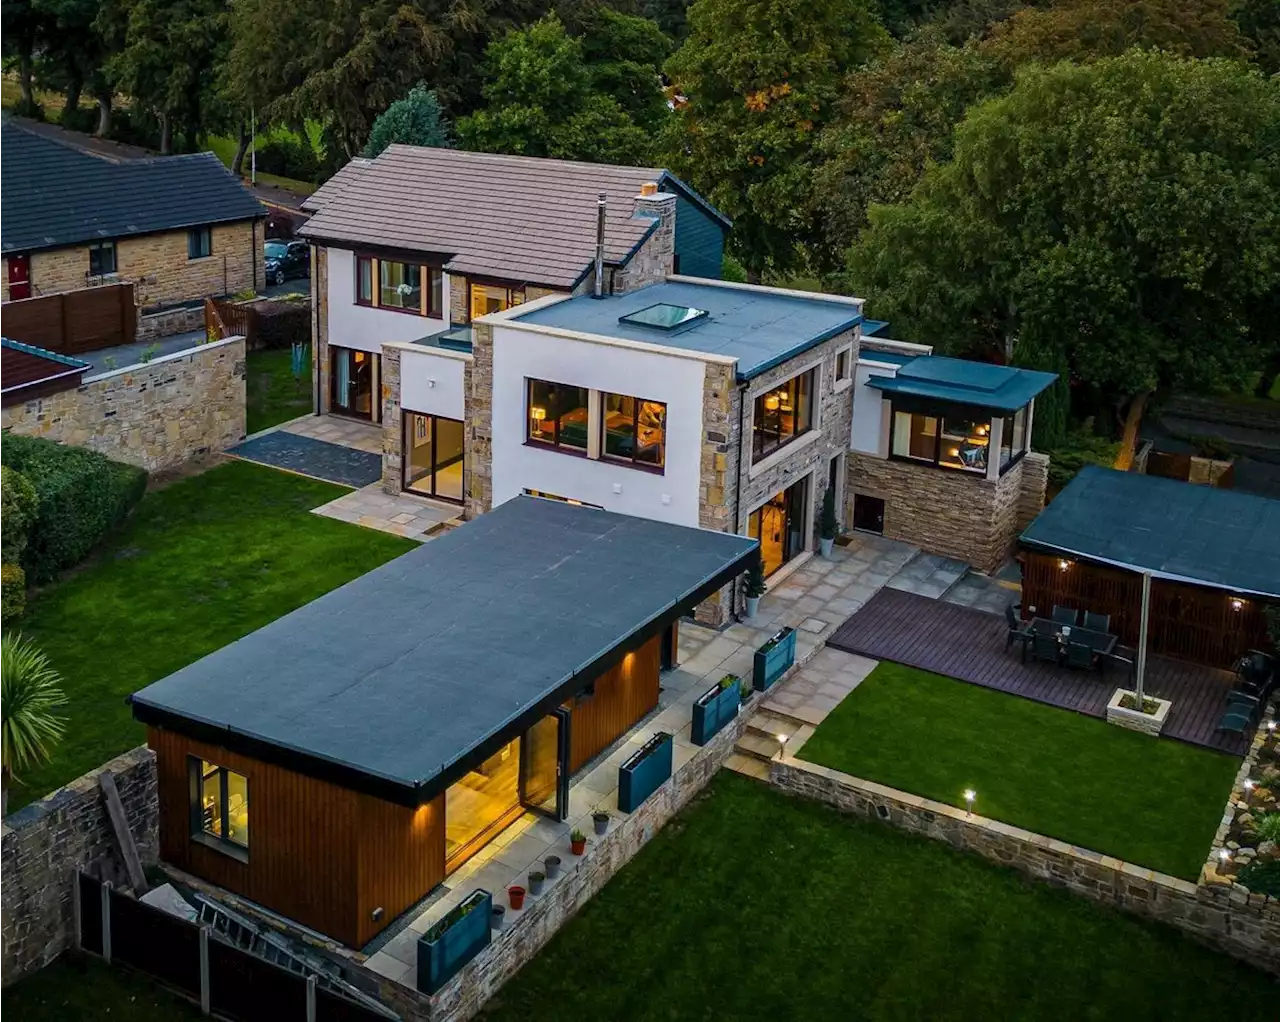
[
  {"x": 718, "y": 485},
  {"x": 392, "y": 433},
  {"x": 1035, "y": 481},
  {"x": 320, "y": 326},
  {"x": 478, "y": 436},
  {"x": 655, "y": 259},
  {"x": 459, "y": 301}
]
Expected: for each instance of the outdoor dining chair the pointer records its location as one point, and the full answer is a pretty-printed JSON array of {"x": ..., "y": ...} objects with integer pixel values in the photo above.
[
  {"x": 1044, "y": 647},
  {"x": 1234, "y": 721},
  {"x": 1064, "y": 615},
  {"x": 1097, "y": 622},
  {"x": 1018, "y": 630},
  {"x": 1079, "y": 655}
]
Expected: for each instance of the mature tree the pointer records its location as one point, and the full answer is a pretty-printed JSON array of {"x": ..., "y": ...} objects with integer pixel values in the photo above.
[
  {"x": 75, "y": 52},
  {"x": 25, "y": 29},
  {"x": 1124, "y": 214},
  {"x": 762, "y": 78},
  {"x": 624, "y": 56},
  {"x": 894, "y": 118},
  {"x": 414, "y": 120},
  {"x": 30, "y": 690},
  {"x": 1259, "y": 20},
  {"x": 542, "y": 101}
]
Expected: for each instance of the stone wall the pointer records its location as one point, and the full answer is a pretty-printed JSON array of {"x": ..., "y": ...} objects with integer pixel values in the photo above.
[
  {"x": 158, "y": 266},
  {"x": 168, "y": 322},
  {"x": 656, "y": 257},
  {"x": 44, "y": 843},
  {"x": 478, "y": 432},
  {"x": 956, "y": 514},
  {"x": 157, "y": 415},
  {"x": 320, "y": 324},
  {"x": 1035, "y": 483},
  {"x": 392, "y": 434},
  {"x": 1244, "y": 925}
]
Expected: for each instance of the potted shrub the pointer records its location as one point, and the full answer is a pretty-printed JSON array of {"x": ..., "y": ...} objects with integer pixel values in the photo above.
[
  {"x": 577, "y": 842},
  {"x": 827, "y": 527},
  {"x": 755, "y": 587},
  {"x": 535, "y": 881},
  {"x": 515, "y": 894},
  {"x": 499, "y": 917},
  {"x": 601, "y": 821},
  {"x": 551, "y": 865}
]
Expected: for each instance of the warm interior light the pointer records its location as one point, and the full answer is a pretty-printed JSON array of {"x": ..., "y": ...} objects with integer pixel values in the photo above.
[
  {"x": 982, "y": 431},
  {"x": 771, "y": 402},
  {"x": 537, "y": 415},
  {"x": 1237, "y": 604},
  {"x": 1064, "y": 565},
  {"x": 954, "y": 452}
]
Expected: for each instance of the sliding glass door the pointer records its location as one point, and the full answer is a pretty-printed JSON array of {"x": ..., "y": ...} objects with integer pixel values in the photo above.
[
  {"x": 779, "y": 526},
  {"x": 433, "y": 456},
  {"x": 544, "y": 766},
  {"x": 351, "y": 382}
]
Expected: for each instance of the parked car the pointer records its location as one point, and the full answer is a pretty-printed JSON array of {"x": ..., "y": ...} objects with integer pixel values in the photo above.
[{"x": 286, "y": 260}]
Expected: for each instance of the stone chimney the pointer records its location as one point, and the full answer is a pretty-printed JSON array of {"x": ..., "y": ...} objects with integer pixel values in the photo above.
[{"x": 656, "y": 257}]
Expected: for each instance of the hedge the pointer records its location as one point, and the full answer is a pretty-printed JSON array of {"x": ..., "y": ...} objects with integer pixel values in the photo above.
[
  {"x": 17, "y": 512},
  {"x": 13, "y": 593},
  {"x": 80, "y": 496}
]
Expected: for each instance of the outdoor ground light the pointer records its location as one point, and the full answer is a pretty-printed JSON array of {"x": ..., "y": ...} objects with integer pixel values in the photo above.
[
  {"x": 782, "y": 744},
  {"x": 1248, "y": 790},
  {"x": 1224, "y": 855},
  {"x": 969, "y": 796}
]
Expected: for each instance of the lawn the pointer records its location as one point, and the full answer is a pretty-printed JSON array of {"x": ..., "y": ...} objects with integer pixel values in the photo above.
[
  {"x": 272, "y": 394},
  {"x": 1154, "y": 802},
  {"x": 752, "y": 905},
  {"x": 198, "y": 565},
  {"x": 80, "y": 988}
]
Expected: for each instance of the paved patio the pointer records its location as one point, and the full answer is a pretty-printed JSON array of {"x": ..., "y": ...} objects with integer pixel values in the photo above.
[
  {"x": 400, "y": 514},
  {"x": 336, "y": 429},
  {"x": 308, "y": 456}
]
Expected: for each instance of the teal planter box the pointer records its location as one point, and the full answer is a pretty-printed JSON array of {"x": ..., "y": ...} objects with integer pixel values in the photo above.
[
  {"x": 452, "y": 942},
  {"x": 714, "y": 710},
  {"x": 644, "y": 773},
  {"x": 773, "y": 659}
]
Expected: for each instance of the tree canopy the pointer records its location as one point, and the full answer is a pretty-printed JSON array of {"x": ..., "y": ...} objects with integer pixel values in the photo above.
[
  {"x": 1124, "y": 215},
  {"x": 414, "y": 120}
]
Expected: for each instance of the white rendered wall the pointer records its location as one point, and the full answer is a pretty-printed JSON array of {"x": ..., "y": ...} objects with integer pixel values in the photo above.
[
  {"x": 363, "y": 327},
  {"x": 432, "y": 383},
  {"x": 671, "y": 497},
  {"x": 868, "y": 410}
]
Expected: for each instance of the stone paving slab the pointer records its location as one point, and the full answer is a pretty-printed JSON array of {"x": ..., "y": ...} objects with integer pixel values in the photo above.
[
  {"x": 308, "y": 456},
  {"x": 399, "y": 514},
  {"x": 362, "y": 436}
]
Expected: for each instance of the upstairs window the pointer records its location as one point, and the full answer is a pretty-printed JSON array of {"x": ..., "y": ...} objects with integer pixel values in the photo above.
[
  {"x": 401, "y": 286},
  {"x": 782, "y": 414},
  {"x": 199, "y": 243},
  {"x": 364, "y": 280},
  {"x": 220, "y": 804},
  {"x": 947, "y": 441},
  {"x": 558, "y": 415},
  {"x": 102, "y": 258},
  {"x": 633, "y": 430},
  {"x": 843, "y": 358}
]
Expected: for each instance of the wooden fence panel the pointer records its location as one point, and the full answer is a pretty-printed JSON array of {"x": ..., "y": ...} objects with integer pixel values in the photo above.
[{"x": 74, "y": 322}]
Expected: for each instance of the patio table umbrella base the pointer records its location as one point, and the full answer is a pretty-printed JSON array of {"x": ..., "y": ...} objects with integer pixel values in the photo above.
[{"x": 1136, "y": 719}]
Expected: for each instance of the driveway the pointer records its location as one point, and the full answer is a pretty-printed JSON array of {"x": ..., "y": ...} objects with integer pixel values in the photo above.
[{"x": 298, "y": 286}]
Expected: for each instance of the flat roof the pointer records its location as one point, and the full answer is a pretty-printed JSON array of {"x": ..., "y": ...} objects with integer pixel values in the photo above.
[
  {"x": 23, "y": 366},
  {"x": 1179, "y": 531},
  {"x": 759, "y": 328},
  {"x": 958, "y": 380},
  {"x": 402, "y": 680}
]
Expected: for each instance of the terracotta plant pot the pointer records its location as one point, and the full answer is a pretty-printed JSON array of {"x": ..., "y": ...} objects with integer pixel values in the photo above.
[
  {"x": 578, "y": 847},
  {"x": 515, "y": 894}
]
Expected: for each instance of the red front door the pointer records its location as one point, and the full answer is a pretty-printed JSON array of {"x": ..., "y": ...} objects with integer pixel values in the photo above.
[{"x": 19, "y": 277}]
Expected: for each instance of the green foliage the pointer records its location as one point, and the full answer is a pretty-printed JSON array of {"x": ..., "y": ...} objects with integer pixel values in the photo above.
[
  {"x": 30, "y": 690},
  {"x": 1259, "y": 21},
  {"x": 1268, "y": 827},
  {"x": 828, "y": 527},
  {"x": 732, "y": 270},
  {"x": 17, "y": 513},
  {"x": 762, "y": 77},
  {"x": 1262, "y": 876},
  {"x": 288, "y": 155},
  {"x": 624, "y": 55},
  {"x": 542, "y": 100},
  {"x": 1124, "y": 214},
  {"x": 755, "y": 583},
  {"x": 414, "y": 120},
  {"x": 577, "y": 835},
  {"x": 13, "y": 593},
  {"x": 1078, "y": 447},
  {"x": 81, "y": 495}
]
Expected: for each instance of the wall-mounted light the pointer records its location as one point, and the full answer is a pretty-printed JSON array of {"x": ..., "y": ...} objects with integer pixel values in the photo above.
[
  {"x": 1063, "y": 565},
  {"x": 1237, "y": 604}
]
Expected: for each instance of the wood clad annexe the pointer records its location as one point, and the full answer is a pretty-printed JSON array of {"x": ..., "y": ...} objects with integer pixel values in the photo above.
[
  {"x": 623, "y": 694},
  {"x": 323, "y": 855},
  {"x": 1189, "y": 622}
]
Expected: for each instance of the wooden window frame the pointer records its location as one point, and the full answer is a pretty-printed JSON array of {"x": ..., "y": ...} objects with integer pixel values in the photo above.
[
  {"x": 631, "y": 462},
  {"x": 371, "y": 302},
  {"x": 198, "y": 833},
  {"x": 428, "y": 274}
]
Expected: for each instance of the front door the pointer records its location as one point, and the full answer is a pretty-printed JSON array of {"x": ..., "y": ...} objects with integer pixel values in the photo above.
[
  {"x": 544, "y": 765},
  {"x": 351, "y": 382},
  {"x": 19, "y": 277}
]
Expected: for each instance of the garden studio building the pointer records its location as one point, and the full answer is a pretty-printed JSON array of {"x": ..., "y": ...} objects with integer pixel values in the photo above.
[{"x": 338, "y": 764}]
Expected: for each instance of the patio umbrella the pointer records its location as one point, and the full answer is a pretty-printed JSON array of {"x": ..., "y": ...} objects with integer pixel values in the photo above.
[{"x": 1142, "y": 641}]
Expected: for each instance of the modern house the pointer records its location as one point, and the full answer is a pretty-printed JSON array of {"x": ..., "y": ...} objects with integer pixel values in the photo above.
[
  {"x": 337, "y": 765},
  {"x": 940, "y": 451},
  {"x": 411, "y": 246},
  {"x": 179, "y": 228}
]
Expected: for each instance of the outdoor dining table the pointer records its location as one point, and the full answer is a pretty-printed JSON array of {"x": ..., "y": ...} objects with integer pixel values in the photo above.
[{"x": 1102, "y": 643}]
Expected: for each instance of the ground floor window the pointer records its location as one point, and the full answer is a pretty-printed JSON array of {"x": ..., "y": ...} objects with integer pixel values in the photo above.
[
  {"x": 433, "y": 456},
  {"x": 780, "y": 525},
  {"x": 353, "y": 383},
  {"x": 219, "y": 803},
  {"x": 482, "y": 802},
  {"x": 868, "y": 513},
  {"x": 555, "y": 496}
]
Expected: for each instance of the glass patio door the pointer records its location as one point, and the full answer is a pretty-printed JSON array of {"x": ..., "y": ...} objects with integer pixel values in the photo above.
[
  {"x": 351, "y": 382},
  {"x": 544, "y": 766}
]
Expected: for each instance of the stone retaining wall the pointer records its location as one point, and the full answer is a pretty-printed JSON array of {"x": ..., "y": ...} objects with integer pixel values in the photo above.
[
  {"x": 44, "y": 843},
  {"x": 1241, "y": 924},
  {"x": 168, "y": 322},
  {"x": 156, "y": 415}
]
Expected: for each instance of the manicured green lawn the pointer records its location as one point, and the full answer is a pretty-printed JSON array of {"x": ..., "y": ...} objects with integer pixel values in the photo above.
[
  {"x": 1154, "y": 802},
  {"x": 75, "y": 989},
  {"x": 199, "y": 564},
  {"x": 272, "y": 393},
  {"x": 752, "y": 905}
]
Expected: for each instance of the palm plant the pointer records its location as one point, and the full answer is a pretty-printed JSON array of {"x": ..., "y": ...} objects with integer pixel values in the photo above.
[{"x": 30, "y": 689}]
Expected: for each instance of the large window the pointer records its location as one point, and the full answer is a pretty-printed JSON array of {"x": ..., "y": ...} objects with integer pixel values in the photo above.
[
  {"x": 487, "y": 298},
  {"x": 219, "y": 804},
  {"x": 400, "y": 286},
  {"x": 782, "y": 414},
  {"x": 1013, "y": 440},
  {"x": 480, "y": 803},
  {"x": 633, "y": 430},
  {"x": 964, "y": 443},
  {"x": 406, "y": 287},
  {"x": 957, "y": 441},
  {"x": 558, "y": 415},
  {"x": 433, "y": 456},
  {"x": 102, "y": 258},
  {"x": 199, "y": 243}
]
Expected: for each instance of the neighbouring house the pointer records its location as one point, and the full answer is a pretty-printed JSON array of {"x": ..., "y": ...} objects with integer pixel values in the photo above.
[
  {"x": 179, "y": 228},
  {"x": 1213, "y": 556},
  {"x": 940, "y": 453},
  {"x": 28, "y": 372},
  {"x": 340, "y": 763},
  {"x": 415, "y": 244}
]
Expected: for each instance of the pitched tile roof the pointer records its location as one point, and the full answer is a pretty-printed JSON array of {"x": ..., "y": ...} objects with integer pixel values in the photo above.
[
  {"x": 55, "y": 194},
  {"x": 510, "y": 217}
]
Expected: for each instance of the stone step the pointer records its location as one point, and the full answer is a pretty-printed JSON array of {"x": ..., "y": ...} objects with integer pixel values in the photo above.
[
  {"x": 772, "y": 721},
  {"x": 760, "y": 746},
  {"x": 748, "y": 766}
]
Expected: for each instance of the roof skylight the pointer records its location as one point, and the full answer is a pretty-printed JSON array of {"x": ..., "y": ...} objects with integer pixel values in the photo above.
[{"x": 663, "y": 316}]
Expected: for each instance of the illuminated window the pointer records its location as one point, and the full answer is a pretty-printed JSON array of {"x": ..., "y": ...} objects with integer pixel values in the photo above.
[
  {"x": 633, "y": 430},
  {"x": 487, "y": 298},
  {"x": 558, "y": 415},
  {"x": 220, "y": 804},
  {"x": 401, "y": 286},
  {"x": 782, "y": 414},
  {"x": 950, "y": 441}
]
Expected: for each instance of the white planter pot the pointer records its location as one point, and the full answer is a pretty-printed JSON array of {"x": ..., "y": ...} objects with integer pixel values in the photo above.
[
  {"x": 1136, "y": 720},
  {"x": 825, "y": 545},
  {"x": 753, "y": 605}
]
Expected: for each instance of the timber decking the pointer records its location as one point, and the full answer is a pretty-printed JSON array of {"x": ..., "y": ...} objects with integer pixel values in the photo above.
[{"x": 968, "y": 644}]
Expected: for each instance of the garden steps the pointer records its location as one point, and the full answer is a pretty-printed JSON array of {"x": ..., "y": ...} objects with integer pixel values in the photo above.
[
  {"x": 760, "y": 746},
  {"x": 748, "y": 766}
]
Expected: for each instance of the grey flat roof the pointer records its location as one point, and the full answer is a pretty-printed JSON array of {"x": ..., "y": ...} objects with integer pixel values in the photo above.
[
  {"x": 961, "y": 381},
  {"x": 759, "y": 328},
  {"x": 1178, "y": 531},
  {"x": 401, "y": 680}
]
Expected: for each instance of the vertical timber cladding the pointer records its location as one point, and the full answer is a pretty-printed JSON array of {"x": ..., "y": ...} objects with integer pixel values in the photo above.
[
  {"x": 622, "y": 695},
  {"x": 323, "y": 855}
]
